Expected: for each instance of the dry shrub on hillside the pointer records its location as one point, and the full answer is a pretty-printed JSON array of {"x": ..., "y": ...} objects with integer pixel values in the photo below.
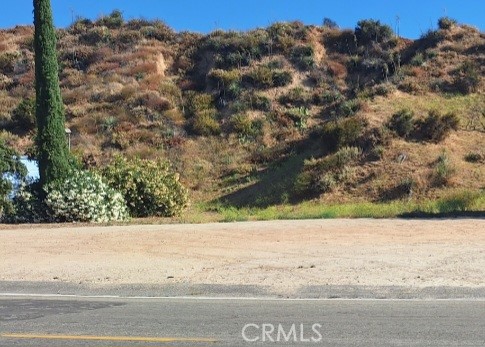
[
  {"x": 153, "y": 101},
  {"x": 151, "y": 82},
  {"x": 337, "y": 69},
  {"x": 143, "y": 69}
]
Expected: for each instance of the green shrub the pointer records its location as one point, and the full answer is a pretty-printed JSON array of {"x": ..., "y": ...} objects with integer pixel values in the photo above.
[
  {"x": 303, "y": 57},
  {"x": 245, "y": 128},
  {"x": 346, "y": 156},
  {"x": 461, "y": 202},
  {"x": 23, "y": 116},
  {"x": 436, "y": 127},
  {"x": 80, "y": 25},
  {"x": 328, "y": 98},
  {"x": 443, "y": 170},
  {"x": 223, "y": 78},
  {"x": 194, "y": 102},
  {"x": 431, "y": 38},
  {"x": 7, "y": 62},
  {"x": 323, "y": 175},
  {"x": 112, "y": 21},
  {"x": 27, "y": 205},
  {"x": 329, "y": 23},
  {"x": 260, "y": 102},
  {"x": 349, "y": 108},
  {"x": 150, "y": 188},
  {"x": 297, "y": 97},
  {"x": 205, "y": 123},
  {"x": 299, "y": 116},
  {"x": 10, "y": 165},
  {"x": 282, "y": 78},
  {"x": 326, "y": 183},
  {"x": 129, "y": 38},
  {"x": 260, "y": 77},
  {"x": 372, "y": 31},
  {"x": 417, "y": 60},
  {"x": 276, "y": 64},
  {"x": 474, "y": 157},
  {"x": 402, "y": 122},
  {"x": 84, "y": 197},
  {"x": 341, "y": 41},
  {"x": 263, "y": 77},
  {"x": 157, "y": 30},
  {"x": 345, "y": 132},
  {"x": 96, "y": 36},
  {"x": 446, "y": 23}
]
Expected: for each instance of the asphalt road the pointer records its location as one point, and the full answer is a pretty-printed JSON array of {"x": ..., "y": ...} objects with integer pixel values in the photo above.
[{"x": 90, "y": 321}]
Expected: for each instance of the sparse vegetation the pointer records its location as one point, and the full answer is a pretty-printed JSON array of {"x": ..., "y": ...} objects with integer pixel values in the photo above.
[{"x": 241, "y": 114}]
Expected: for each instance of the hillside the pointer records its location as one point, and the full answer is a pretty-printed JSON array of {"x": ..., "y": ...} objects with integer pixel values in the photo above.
[{"x": 269, "y": 116}]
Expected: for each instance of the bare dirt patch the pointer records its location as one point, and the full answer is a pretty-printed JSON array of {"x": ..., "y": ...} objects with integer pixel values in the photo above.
[{"x": 282, "y": 255}]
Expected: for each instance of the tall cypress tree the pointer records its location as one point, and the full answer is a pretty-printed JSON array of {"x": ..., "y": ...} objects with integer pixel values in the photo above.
[{"x": 53, "y": 152}]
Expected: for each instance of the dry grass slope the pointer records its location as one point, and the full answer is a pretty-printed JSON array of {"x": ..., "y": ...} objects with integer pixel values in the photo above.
[{"x": 244, "y": 116}]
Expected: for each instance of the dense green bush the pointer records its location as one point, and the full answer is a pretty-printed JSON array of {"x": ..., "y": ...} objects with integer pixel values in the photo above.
[
  {"x": 246, "y": 128},
  {"x": 27, "y": 205},
  {"x": 205, "y": 123},
  {"x": 345, "y": 132},
  {"x": 436, "y": 127},
  {"x": 10, "y": 165},
  {"x": 370, "y": 30},
  {"x": 23, "y": 116},
  {"x": 150, "y": 188},
  {"x": 194, "y": 102},
  {"x": 402, "y": 122},
  {"x": 84, "y": 197}
]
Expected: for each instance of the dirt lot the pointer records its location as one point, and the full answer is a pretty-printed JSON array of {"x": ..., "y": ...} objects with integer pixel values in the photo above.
[{"x": 284, "y": 255}]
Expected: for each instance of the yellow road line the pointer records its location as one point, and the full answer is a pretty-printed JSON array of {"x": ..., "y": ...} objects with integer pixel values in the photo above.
[{"x": 107, "y": 338}]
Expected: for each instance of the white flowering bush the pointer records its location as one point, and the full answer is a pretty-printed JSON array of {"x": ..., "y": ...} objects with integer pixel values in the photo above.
[
  {"x": 84, "y": 197},
  {"x": 150, "y": 188}
]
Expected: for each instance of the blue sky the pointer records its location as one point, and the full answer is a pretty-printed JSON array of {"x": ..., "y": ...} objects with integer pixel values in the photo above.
[{"x": 415, "y": 16}]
